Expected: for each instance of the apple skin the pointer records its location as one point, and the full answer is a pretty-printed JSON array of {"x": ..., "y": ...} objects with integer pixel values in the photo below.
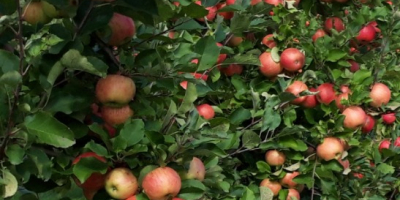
[
  {"x": 274, "y": 186},
  {"x": 380, "y": 95},
  {"x": 385, "y": 144},
  {"x": 230, "y": 2},
  {"x": 397, "y": 142},
  {"x": 206, "y": 111},
  {"x": 269, "y": 67},
  {"x": 326, "y": 93},
  {"x": 122, "y": 29},
  {"x": 366, "y": 34},
  {"x": 334, "y": 23},
  {"x": 116, "y": 116},
  {"x": 235, "y": 41},
  {"x": 311, "y": 100},
  {"x": 221, "y": 57},
  {"x": 287, "y": 180},
  {"x": 318, "y": 34},
  {"x": 330, "y": 148},
  {"x": 96, "y": 180},
  {"x": 296, "y": 88},
  {"x": 275, "y": 158},
  {"x": 212, "y": 12},
  {"x": 368, "y": 125},
  {"x": 354, "y": 66},
  {"x": 293, "y": 194},
  {"x": 355, "y": 117},
  {"x": 269, "y": 41},
  {"x": 231, "y": 70},
  {"x": 274, "y": 2},
  {"x": 389, "y": 118},
  {"x": 344, "y": 96},
  {"x": 358, "y": 175},
  {"x": 115, "y": 89},
  {"x": 121, "y": 183},
  {"x": 34, "y": 13},
  {"x": 225, "y": 15},
  {"x": 131, "y": 198},
  {"x": 292, "y": 59},
  {"x": 197, "y": 169},
  {"x": 345, "y": 89},
  {"x": 161, "y": 183}
]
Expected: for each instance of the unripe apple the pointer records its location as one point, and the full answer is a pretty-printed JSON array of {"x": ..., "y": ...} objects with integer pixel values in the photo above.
[
  {"x": 115, "y": 89},
  {"x": 116, "y": 116},
  {"x": 34, "y": 12},
  {"x": 161, "y": 183},
  {"x": 380, "y": 95},
  {"x": 293, "y": 194},
  {"x": 274, "y": 186},
  {"x": 389, "y": 118},
  {"x": 318, "y": 34},
  {"x": 326, "y": 93},
  {"x": 269, "y": 41},
  {"x": 231, "y": 70},
  {"x": 221, "y": 57},
  {"x": 334, "y": 23},
  {"x": 344, "y": 96},
  {"x": 311, "y": 100},
  {"x": 206, "y": 111},
  {"x": 122, "y": 29},
  {"x": 296, "y": 88},
  {"x": 275, "y": 158},
  {"x": 354, "y": 66},
  {"x": 121, "y": 183},
  {"x": 355, "y": 117},
  {"x": 225, "y": 15},
  {"x": 196, "y": 169},
  {"x": 330, "y": 149},
  {"x": 369, "y": 124},
  {"x": 385, "y": 144},
  {"x": 235, "y": 41},
  {"x": 269, "y": 67},
  {"x": 366, "y": 34},
  {"x": 292, "y": 59},
  {"x": 212, "y": 12},
  {"x": 96, "y": 180}
]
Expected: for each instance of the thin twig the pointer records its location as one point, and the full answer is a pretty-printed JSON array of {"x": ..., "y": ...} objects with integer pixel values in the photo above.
[
  {"x": 83, "y": 20},
  {"x": 313, "y": 178}
]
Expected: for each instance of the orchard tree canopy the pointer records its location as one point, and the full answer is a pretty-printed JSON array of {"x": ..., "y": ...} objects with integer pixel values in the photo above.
[{"x": 199, "y": 100}]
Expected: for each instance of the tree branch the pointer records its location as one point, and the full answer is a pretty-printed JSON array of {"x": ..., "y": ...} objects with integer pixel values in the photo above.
[{"x": 78, "y": 29}]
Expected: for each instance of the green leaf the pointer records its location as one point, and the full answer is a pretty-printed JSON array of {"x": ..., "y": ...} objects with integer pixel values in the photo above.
[
  {"x": 188, "y": 24},
  {"x": 49, "y": 130},
  {"x": 74, "y": 60},
  {"x": 335, "y": 55},
  {"x": 293, "y": 143},
  {"x": 86, "y": 166},
  {"x": 191, "y": 183},
  {"x": 42, "y": 163},
  {"x": 240, "y": 23},
  {"x": 97, "y": 148},
  {"x": 360, "y": 76},
  {"x": 250, "y": 139},
  {"x": 11, "y": 78},
  {"x": 244, "y": 59},
  {"x": 194, "y": 11},
  {"x": 148, "y": 6},
  {"x": 98, "y": 17},
  {"x": 172, "y": 111},
  {"x": 385, "y": 168},
  {"x": 272, "y": 118},
  {"x": 263, "y": 167},
  {"x": 248, "y": 195},
  {"x": 209, "y": 52},
  {"x": 190, "y": 97},
  {"x": 266, "y": 193},
  {"x": 306, "y": 179},
  {"x": 15, "y": 154},
  {"x": 240, "y": 115},
  {"x": 131, "y": 134},
  {"x": 8, "y": 61}
]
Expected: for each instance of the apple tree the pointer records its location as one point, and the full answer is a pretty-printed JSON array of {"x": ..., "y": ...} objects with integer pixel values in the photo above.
[{"x": 211, "y": 99}]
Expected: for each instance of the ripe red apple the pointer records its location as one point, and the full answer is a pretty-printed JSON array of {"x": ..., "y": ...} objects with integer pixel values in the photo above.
[
  {"x": 269, "y": 67},
  {"x": 292, "y": 59},
  {"x": 369, "y": 124},
  {"x": 115, "y": 89},
  {"x": 334, "y": 23},
  {"x": 161, "y": 183},
  {"x": 269, "y": 41},
  {"x": 355, "y": 117},
  {"x": 235, "y": 41},
  {"x": 274, "y": 2},
  {"x": 225, "y": 15},
  {"x": 116, "y": 116},
  {"x": 275, "y": 158},
  {"x": 344, "y": 163},
  {"x": 296, "y": 88},
  {"x": 358, "y": 175},
  {"x": 36, "y": 12},
  {"x": 212, "y": 12},
  {"x": 344, "y": 96},
  {"x": 96, "y": 180},
  {"x": 330, "y": 148},
  {"x": 274, "y": 186},
  {"x": 287, "y": 180},
  {"x": 389, "y": 118},
  {"x": 293, "y": 194},
  {"x": 206, "y": 111},
  {"x": 122, "y": 30},
  {"x": 131, "y": 198},
  {"x": 345, "y": 89},
  {"x": 231, "y": 70},
  {"x": 380, "y": 95},
  {"x": 121, "y": 183},
  {"x": 366, "y": 34},
  {"x": 385, "y": 144},
  {"x": 230, "y": 2},
  {"x": 354, "y": 66},
  {"x": 311, "y": 100},
  {"x": 221, "y": 57},
  {"x": 318, "y": 34},
  {"x": 196, "y": 169},
  {"x": 326, "y": 93},
  {"x": 397, "y": 142}
]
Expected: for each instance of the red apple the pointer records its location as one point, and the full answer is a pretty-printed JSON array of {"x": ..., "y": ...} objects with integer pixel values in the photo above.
[
  {"x": 354, "y": 117},
  {"x": 296, "y": 88},
  {"x": 121, "y": 183},
  {"x": 344, "y": 96},
  {"x": 89, "y": 194},
  {"x": 115, "y": 89},
  {"x": 231, "y": 70},
  {"x": 225, "y": 15},
  {"x": 269, "y": 67},
  {"x": 161, "y": 183},
  {"x": 385, "y": 144},
  {"x": 131, "y": 198},
  {"x": 389, "y": 118},
  {"x": 326, "y": 93},
  {"x": 96, "y": 180},
  {"x": 235, "y": 41},
  {"x": 269, "y": 41},
  {"x": 274, "y": 186},
  {"x": 196, "y": 169},
  {"x": 196, "y": 76},
  {"x": 354, "y": 66},
  {"x": 116, "y": 116},
  {"x": 366, "y": 34},
  {"x": 358, "y": 175},
  {"x": 287, "y": 180},
  {"x": 311, "y": 100},
  {"x": 397, "y": 142},
  {"x": 221, "y": 57},
  {"x": 293, "y": 194},
  {"x": 369, "y": 124},
  {"x": 274, "y": 2},
  {"x": 212, "y": 12},
  {"x": 230, "y": 2},
  {"x": 334, "y": 23},
  {"x": 292, "y": 59},
  {"x": 318, "y": 34},
  {"x": 380, "y": 95},
  {"x": 345, "y": 89},
  {"x": 122, "y": 30},
  {"x": 330, "y": 148},
  {"x": 206, "y": 111},
  {"x": 275, "y": 158}
]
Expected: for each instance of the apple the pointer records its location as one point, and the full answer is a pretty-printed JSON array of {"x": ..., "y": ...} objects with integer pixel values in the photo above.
[
  {"x": 296, "y": 88},
  {"x": 231, "y": 70},
  {"x": 161, "y": 183},
  {"x": 354, "y": 66},
  {"x": 206, "y": 111},
  {"x": 389, "y": 118},
  {"x": 311, "y": 100},
  {"x": 269, "y": 67},
  {"x": 38, "y": 12},
  {"x": 131, "y": 198},
  {"x": 121, "y": 183},
  {"x": 344, "y": 96},
  {"x": 293, "y": 195},
  {"x": 196, "y": 169},
  {"x": 334, "y": 23},
  {"x": 254, "y": 2},
  {"x": 326, "y": 93},
  {"x": 89, "y": 194},
  {"x": 196, "y": 76},
  {"x": 116, "y": 116},
  {"x": 274, "y": 186},
  {"x": 274, "y": 2},
  {"x": 380, "y": 95},
  {"x": 385, "y": 144},
  {"x": 292, "y": 59},
  {"x": 275, "y": 158},
  {"x": 221, "y": 57},
  {"x": 374, "y": 24},
  {"x": 345, "y": 89},
  {"x": 287, "y": 180},
  {"x": 368, "y": 125},
  {"x": 230, "y": 2},
  {"x": 122, "y": 30},
  {"x": 115, "y": 89},
  {"x": 358, "y": 175},
  {"x": 397, "y": 142},
  {"x": 330, "y": 148},
  {"x": 355, "y": 117},
  {"x": 366, "y": 34},
  {"x": 235, "y": 41},
  {"x": 225, "y": 15},
  {"x": 96, "y": 180},
  {"x": 212, "y": 12},
  {"x": 345, "y": 163},
  {"x": 269, "y": 41},
  {"x": 318, "y": 34}
]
